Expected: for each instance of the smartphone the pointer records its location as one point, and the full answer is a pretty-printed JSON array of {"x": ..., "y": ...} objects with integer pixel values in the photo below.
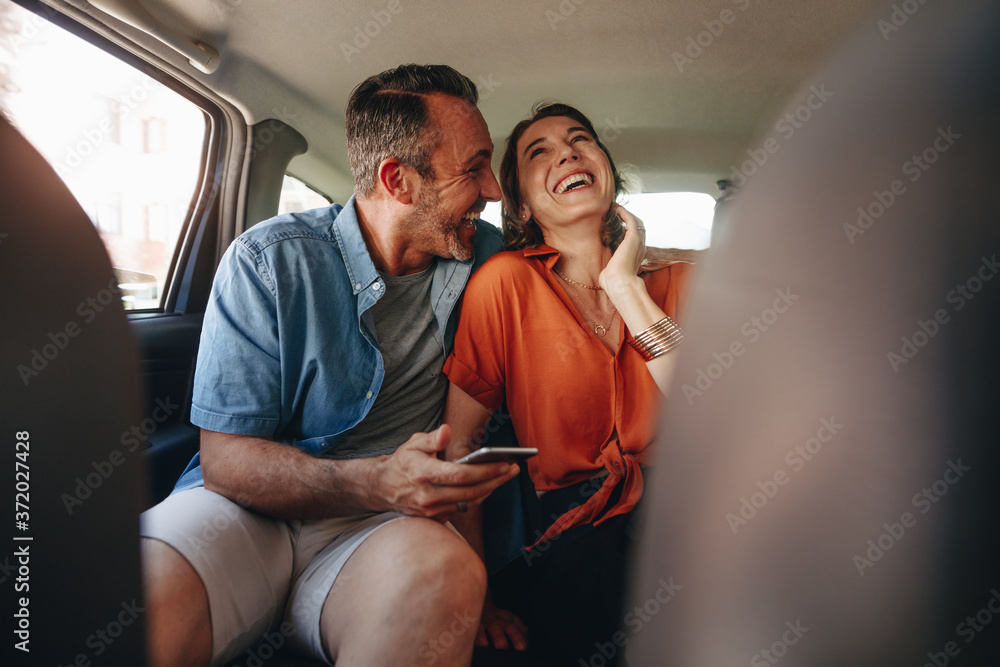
[{"x": 498, "y": 454}]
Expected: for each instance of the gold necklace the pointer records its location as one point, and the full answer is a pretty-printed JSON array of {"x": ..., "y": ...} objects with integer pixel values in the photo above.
[
  {"x": 559, "y": 273},
  {"x": 601, "y": 331}
]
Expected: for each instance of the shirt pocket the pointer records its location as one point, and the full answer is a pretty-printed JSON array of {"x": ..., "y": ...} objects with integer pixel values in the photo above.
[{"x": 317, "y": 446}]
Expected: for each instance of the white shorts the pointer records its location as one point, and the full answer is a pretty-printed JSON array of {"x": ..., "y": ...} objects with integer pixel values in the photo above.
[{"x": 266, "y": 578}]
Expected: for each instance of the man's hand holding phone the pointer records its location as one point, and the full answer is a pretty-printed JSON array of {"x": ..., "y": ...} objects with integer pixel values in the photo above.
[{"x": 414, "y": 481}]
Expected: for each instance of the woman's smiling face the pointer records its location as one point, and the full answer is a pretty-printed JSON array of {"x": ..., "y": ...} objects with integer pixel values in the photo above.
[{"x": 563, "y": 173}]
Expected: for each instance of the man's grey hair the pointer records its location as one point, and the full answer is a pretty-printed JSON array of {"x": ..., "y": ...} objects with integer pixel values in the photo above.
[{"x": 387, "y": 116}]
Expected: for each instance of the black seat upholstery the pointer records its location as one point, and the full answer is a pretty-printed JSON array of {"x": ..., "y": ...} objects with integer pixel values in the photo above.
[{"x": 70, "y": 389}]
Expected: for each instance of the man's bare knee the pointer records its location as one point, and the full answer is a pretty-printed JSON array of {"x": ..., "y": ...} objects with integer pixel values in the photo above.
[
  {"x": 416, "y": 577},
  {"x": 444, "y": 571},
  {"x": 177, "y": 614},
  {"x": 460, "y": 571}
]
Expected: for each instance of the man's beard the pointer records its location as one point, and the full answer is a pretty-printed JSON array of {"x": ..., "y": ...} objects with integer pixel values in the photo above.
[{"x": 432, "y": 226}]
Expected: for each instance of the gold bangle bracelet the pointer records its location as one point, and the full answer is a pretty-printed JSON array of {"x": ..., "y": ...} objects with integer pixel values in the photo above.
[{"x": 657, "y": 339}]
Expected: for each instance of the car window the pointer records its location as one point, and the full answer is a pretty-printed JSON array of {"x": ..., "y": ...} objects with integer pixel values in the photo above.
[
  {"x": 128, "y": 147},
  {"x": 672, "y": 219},
  {"x": 297, "y": 196}
]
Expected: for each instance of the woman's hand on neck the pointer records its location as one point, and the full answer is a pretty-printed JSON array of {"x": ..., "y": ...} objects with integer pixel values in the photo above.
[
  {"x": 623, "y": 268},
  {"x": 582, "y": 256}
]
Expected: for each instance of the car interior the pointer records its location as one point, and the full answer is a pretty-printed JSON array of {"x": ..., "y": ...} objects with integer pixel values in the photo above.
[{"x": 143, "y": 138}]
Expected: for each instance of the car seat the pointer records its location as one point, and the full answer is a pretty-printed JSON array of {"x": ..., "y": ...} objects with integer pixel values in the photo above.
[{"x": 70, "y": 391}]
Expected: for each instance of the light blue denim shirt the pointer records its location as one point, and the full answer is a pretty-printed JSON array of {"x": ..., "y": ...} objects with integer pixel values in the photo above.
[{"x": 288, "y": 346}]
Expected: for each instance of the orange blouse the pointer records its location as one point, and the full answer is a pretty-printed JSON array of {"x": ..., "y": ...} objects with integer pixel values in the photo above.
[{"x": 520, "y": 339}]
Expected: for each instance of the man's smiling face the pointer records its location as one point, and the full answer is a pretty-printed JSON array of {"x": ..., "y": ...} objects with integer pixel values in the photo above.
[{"x": 461, "y": 183}]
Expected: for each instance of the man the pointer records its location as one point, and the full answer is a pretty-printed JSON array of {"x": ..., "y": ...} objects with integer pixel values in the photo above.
[{"x": 321, "y": 352}]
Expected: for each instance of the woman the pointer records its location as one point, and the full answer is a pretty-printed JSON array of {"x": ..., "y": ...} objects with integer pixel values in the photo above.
[{"x": 566, "y": 331}]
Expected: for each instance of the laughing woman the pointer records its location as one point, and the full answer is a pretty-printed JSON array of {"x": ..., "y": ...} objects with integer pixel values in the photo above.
[{"x": 575, "y": 338}]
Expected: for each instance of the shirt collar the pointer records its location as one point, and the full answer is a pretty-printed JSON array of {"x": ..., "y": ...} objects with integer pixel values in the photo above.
[
  {"x": 358, "y": 260},
  {"x": 360, "y": 268},
  {"x": 550, "y": 254}
]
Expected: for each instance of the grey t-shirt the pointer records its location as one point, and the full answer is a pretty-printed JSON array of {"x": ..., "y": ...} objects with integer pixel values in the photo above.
[{"x": 413, "y": 391}]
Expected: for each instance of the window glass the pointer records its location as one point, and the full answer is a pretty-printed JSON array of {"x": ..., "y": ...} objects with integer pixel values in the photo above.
[
  {"x": 672, "y": 219},
  {"x": 297, "y": 196},
  {"x": 128, "y": 147}
]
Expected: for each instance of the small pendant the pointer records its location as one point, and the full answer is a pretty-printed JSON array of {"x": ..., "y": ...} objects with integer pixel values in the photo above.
[{"x": 600, "y": 331}]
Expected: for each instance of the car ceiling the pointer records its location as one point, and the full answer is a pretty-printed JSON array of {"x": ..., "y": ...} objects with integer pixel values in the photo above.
[{"x": 682, "y": 128}]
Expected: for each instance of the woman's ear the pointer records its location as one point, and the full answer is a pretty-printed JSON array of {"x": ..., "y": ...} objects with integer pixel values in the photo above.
[
  {"x": 396, "y": 180},
  {"x": 524, "y": 213}
]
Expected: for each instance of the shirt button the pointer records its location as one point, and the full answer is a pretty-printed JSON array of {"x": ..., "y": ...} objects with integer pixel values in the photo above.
[
  {"x": 357, "y": 285},
  {"x": 368, "y": 395},
  {"x": 377, "y": 286}
]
